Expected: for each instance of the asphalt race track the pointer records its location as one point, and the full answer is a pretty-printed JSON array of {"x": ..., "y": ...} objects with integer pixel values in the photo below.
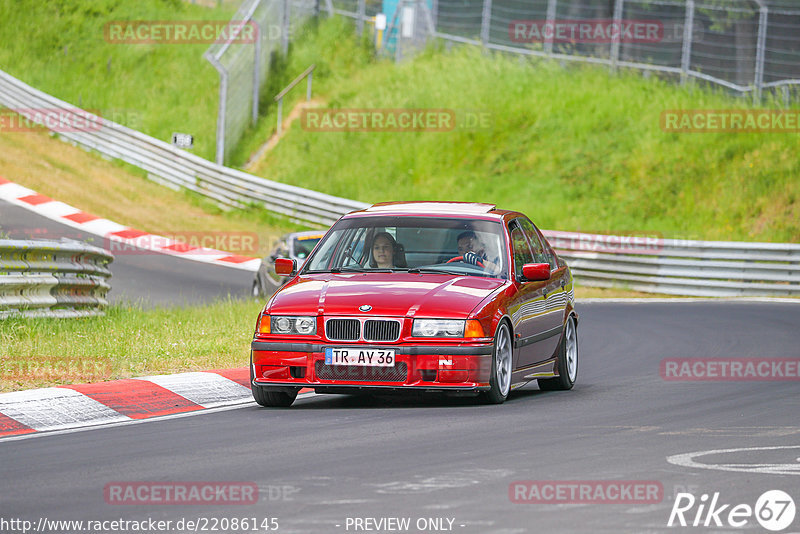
[
  {"x": 330, "y": 458},
  {"x": 149, "y": 278}
]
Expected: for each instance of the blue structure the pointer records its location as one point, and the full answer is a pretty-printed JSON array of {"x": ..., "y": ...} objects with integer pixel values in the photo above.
[{"x": 389, "y": 9}]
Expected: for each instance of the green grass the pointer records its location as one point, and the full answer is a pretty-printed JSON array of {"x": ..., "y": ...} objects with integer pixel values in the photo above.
[
  {"x": 129, "y": 341},
  {"x": 576, "y": 148},
  {"x": 59, "y": 48}
]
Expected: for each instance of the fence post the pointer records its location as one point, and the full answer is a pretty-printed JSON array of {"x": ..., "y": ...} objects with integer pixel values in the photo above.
[
  {"x": 763, "y": 15},
  {"x": 280, "y": 116},
  {"x": 688, "y": 35},
  {"x": 362, "y": 14},
  {"x": 486, "y": 21},
  {"x": 256, "y": 71},
  {"x": 285, "y": 27},
  {"x": 221, "y": 112},
  {"x": 616, "y": 42},
  {"x": 551, "y": 17}
]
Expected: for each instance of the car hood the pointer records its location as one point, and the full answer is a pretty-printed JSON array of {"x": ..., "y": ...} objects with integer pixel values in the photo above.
[{"x": 389, "y": 294}]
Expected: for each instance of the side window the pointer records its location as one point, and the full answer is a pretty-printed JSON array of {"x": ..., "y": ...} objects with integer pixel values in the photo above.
[
  {"x": 519, "y": 245},
  {"x": 541, "y": 253}
]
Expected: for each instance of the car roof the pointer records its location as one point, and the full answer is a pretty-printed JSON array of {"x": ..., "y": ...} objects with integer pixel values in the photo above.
[{"x": 432, "y": 208}]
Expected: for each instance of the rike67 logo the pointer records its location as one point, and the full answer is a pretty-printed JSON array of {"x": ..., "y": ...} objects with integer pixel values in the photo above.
[{"x": 774, "y": 510}]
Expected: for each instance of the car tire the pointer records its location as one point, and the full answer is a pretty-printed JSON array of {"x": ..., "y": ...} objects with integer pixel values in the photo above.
[
  {"x": 567, "y": 361},
  {"x": 269, "y": 398},
  {"x": 273, "y": 399},
  {"x": 500, "y": 378}
]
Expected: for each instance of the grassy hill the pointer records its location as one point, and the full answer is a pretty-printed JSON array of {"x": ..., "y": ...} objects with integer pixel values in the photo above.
[
  {"x": 577, "y": 148},
  {"x": 60, "y": 48}
]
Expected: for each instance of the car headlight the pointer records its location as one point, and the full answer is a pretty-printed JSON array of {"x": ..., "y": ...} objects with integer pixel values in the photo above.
[
  {"x": 438, "y": 328},
  {"x": 287, "y": 324}
]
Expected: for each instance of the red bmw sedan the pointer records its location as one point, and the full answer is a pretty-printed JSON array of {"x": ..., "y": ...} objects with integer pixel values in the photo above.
[{"x": 453, "y": 297}]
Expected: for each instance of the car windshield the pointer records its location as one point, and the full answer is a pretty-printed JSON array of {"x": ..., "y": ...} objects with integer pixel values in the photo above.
[
  {"x": 303, "y": 245},
  {"x": 417, "y": 244}
]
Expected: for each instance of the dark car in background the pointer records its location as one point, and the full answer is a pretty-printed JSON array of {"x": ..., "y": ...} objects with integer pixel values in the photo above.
[{"x": 296, "y": 246}]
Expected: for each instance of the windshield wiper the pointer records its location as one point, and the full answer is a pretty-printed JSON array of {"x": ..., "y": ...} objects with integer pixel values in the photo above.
[
  {"x": 418, "y": 270},
  {"x": 352, "y": 269}
]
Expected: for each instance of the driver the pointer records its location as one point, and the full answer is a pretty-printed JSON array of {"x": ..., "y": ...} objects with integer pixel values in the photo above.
[{"x": 473, "y": 250}]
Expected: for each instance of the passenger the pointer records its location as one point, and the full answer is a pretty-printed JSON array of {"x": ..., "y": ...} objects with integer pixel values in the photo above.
[
  {"x": 386, "y": 252},
  {"x": 472, "y": 249}
]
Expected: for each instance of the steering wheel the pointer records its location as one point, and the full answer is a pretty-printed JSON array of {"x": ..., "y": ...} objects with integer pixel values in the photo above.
[{"x": 461, "y": 258}]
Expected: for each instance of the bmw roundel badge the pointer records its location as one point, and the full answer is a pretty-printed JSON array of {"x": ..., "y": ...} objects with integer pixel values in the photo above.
[{"x": 364, "y": 308}]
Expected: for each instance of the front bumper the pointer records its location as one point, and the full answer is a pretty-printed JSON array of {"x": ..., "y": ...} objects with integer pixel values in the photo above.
[{"x": 462, "y": 366}]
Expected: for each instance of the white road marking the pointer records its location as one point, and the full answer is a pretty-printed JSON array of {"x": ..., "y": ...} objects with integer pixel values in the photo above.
[{"x": 688, "y": 460}]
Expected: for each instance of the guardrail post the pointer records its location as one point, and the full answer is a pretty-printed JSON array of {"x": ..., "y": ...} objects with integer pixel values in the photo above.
[
  {"x": 615, "y": 43},
  {"x": 688, "y": 35},
  {"x": 552, "y": 6},
  {"x": 486, "y": 21},
  {"x": 763, "y": 19}
]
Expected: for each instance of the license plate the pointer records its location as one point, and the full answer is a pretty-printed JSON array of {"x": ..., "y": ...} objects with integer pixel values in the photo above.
[{"x": 365, "y": 357}]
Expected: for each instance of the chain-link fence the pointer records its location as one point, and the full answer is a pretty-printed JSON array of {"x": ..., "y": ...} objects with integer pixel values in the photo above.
[
  {"x": 243, "y": 64},
  {"x": 744, "y": 45}
]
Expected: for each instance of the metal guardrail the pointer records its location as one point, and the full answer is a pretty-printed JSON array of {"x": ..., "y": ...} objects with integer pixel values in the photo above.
[
  {"x": 175, "y": 168},
  {"x": 681, "y": 267},
  {"x": 702, "y": 268},
  {"x": 53, "y": 278}
]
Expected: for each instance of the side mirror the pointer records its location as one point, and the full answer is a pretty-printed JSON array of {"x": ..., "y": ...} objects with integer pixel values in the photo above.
[
  {"x": 534, "y": 272},
  {"x": 285, "y": 266}
]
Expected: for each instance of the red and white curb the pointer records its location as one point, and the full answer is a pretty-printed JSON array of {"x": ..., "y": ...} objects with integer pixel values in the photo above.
[
  {"x": 119, "y": 401},
  {"x": 109, "y": 230}
]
